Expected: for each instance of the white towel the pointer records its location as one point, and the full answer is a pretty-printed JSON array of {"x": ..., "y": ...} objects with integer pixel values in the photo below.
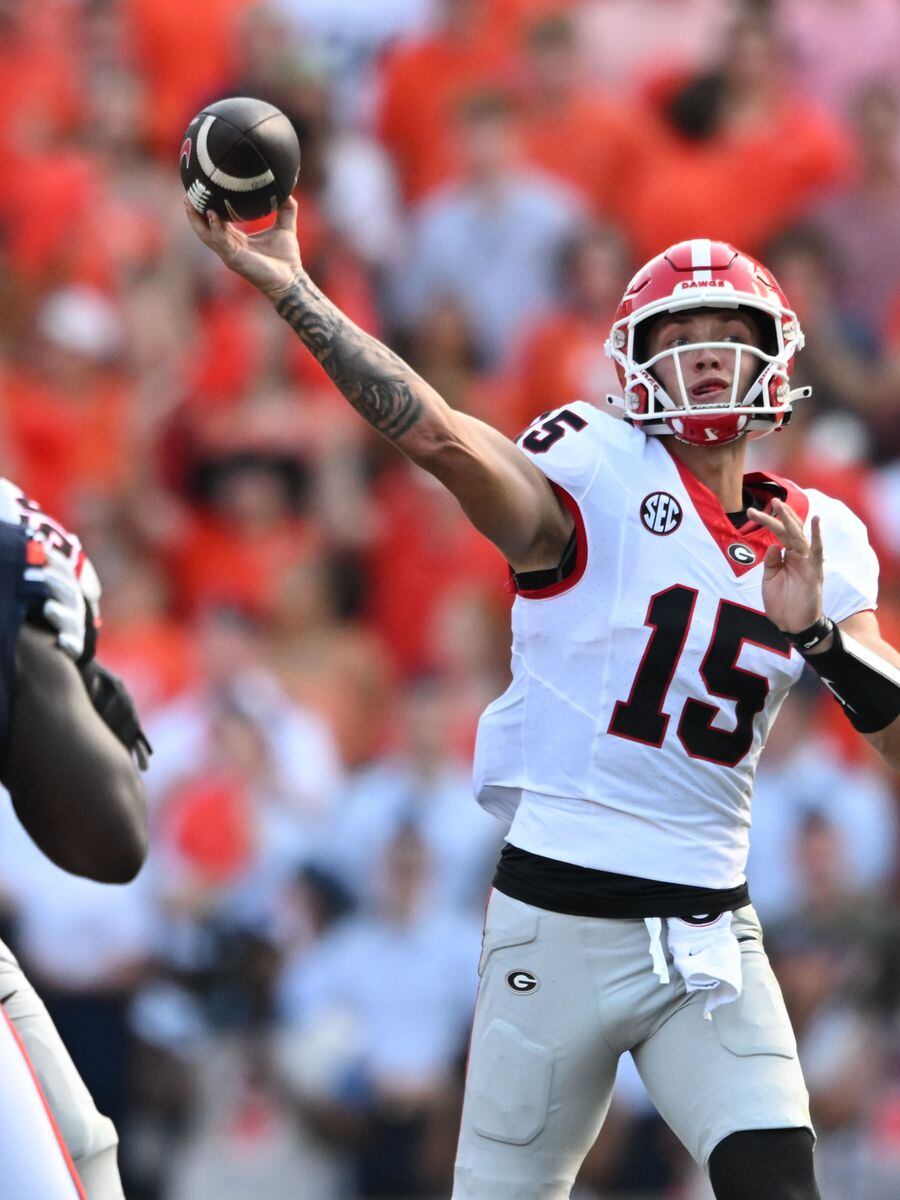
[
  {"x": 657, "y": 954},
  {"x": 707, "y": 957}
]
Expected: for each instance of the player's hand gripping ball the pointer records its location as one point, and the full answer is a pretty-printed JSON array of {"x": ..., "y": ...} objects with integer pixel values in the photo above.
[{"x": 240, "y": 158}]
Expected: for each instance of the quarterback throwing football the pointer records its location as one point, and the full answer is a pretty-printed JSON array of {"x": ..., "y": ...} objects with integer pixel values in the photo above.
[{"x": 666, "y": 603}]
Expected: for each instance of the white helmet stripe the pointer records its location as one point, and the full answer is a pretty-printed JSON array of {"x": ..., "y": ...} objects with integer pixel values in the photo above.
[
  {"x": 231, "y": 183},
  {"x": 701, "y": 259}
]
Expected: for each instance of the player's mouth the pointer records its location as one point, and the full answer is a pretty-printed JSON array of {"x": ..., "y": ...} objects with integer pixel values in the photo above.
[{"x": 709, "y": 390}]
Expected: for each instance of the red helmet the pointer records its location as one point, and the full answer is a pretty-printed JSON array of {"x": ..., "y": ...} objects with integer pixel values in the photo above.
[{"x": 704, "y": 274}]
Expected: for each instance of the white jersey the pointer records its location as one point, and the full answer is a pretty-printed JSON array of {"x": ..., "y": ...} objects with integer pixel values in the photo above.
[{"x": 644, "y": 685}]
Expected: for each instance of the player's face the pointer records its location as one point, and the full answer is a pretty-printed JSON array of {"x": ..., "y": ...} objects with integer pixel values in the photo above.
[{"x": 708, "y": 373}]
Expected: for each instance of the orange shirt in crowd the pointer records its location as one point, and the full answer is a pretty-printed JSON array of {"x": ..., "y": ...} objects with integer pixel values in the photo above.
[
  {"x": 41, "y": 74},
  {"x": 156, "y": 656},
  {"x": 423, "y": 84},
  {"x": 45, "y": 207},
  {"x": 62, "y": 445},
  {"x": 562, "y": 361},
  {"x": 345, "y": 674},
  {"x": 590, "y": 142},
  {"x": 218, "y": 564},
  {"x": 225, "y": 353},
  {"x": 512, "y": 17},
  {"x": 183, "y": 52},
  {"x": 207, "y": 822},
  {"x": 740, "y": 187},
  {"x": 425, "y": 552}
]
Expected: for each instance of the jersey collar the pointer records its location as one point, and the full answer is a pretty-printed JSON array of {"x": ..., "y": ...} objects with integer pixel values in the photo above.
[{"x": 764, "y": 488}]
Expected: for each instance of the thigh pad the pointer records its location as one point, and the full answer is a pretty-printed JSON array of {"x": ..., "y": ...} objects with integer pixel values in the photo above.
[{"x": 509, "y": 1091}]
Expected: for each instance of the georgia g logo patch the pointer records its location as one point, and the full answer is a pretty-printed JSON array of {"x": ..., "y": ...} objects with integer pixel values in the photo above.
[
  {"x": 741, "y": 554},
  {"x": 522, "y": 982},
  {"x": 661, "y": 513}
]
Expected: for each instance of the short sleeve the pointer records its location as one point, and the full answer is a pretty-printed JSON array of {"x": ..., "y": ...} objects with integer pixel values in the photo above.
[
  {"x": 851, "y": 567},
  {"x": 569, "y": 444}
]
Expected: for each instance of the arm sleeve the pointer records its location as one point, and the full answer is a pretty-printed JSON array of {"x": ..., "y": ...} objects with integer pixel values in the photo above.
[{"x": 851, "y": 567}]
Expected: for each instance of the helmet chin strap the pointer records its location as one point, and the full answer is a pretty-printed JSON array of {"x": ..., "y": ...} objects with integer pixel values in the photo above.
[
  {"x": 714, "y": 434},
  {"x": 801, "y": 393}
]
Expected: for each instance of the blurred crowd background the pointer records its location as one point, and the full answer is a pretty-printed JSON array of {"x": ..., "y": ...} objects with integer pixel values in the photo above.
[{"x": 279, "y": 1006}]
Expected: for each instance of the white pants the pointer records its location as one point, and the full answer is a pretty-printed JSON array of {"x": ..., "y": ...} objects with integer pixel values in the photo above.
[
  {"x": 90, "y": 1138},
  {"x": 561, "y": 998}
]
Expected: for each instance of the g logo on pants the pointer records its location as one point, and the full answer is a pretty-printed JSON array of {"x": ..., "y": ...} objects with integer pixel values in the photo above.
[{"x": 522, "y": 982}]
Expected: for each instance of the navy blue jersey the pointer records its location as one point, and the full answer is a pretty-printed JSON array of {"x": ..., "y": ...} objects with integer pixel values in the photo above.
[{"x": 20, "y": 556}]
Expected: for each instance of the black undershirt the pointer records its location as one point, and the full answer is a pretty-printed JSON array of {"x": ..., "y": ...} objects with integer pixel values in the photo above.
[
  {"x": 740, "y": 518},
  {"x": 583, "y": 891},
  {"x": 533, "y": 581}
]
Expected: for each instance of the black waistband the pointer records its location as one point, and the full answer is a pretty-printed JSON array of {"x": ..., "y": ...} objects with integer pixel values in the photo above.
[{"x": 585, "y": 892}]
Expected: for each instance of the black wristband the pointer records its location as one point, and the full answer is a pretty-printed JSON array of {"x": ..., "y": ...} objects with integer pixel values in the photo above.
[
  {"x": 807, "y": 639},
  {"x": 116, "y": 709},
  {"x": 866, "y": 686}
]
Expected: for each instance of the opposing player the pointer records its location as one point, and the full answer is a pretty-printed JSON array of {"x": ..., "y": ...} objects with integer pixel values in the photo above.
[
  {"x": 68, "y": 731},
  {"x": 666, "y": 603}
]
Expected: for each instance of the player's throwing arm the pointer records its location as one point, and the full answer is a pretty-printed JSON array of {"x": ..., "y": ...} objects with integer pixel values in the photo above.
[{"x": 504, "y": 495}]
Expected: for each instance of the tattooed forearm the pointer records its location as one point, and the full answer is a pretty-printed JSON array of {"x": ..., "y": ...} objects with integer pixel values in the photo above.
[{"x": 379, "y": 384}]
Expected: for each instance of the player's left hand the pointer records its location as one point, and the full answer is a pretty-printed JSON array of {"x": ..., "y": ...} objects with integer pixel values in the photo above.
[{"x": 792, "y": 571}]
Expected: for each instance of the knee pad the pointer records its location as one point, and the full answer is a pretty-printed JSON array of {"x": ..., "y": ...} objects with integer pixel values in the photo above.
[{"x": 764, "y": 1164}]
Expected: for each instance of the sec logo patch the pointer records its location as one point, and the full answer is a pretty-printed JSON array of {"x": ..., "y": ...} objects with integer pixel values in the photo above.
[{"x": 661, "y": 513}]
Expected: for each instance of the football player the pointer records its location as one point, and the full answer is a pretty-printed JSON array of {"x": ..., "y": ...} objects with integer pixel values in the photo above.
[
  {"x": 666, "y": 602},
  {"x": 71, "y": 746}
]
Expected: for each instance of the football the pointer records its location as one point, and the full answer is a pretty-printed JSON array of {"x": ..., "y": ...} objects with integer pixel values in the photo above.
[{"x": 240, "y": 158}]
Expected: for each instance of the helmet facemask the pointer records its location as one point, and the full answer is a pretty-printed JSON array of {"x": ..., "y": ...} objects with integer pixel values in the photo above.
[{"x": 746, "y": 408}]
